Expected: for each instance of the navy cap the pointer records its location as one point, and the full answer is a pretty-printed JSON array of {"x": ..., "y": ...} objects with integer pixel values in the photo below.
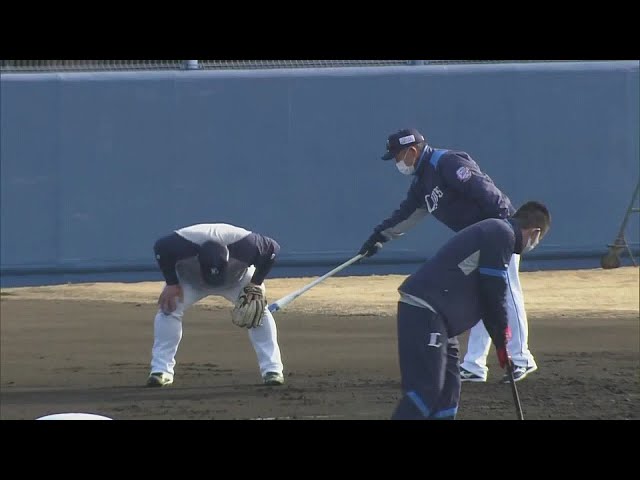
[
  {"x": 400, "y": 140},
  {"x": 213, "y": 258}
]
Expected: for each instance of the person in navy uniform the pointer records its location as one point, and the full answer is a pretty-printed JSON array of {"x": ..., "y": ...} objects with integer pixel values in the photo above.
[
  {"x": 450, "y": 185},
  {"x": 464, "y": 283}
]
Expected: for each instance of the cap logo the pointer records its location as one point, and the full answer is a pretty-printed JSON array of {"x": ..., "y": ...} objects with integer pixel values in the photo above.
[{"x": 407, "y": 139}]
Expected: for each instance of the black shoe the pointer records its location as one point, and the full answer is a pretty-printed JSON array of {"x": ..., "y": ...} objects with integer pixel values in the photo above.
[
  {"x": 467, "y": 376},
  {"x": 518, "y": 373},
  {"x": 273, "y": 378}
]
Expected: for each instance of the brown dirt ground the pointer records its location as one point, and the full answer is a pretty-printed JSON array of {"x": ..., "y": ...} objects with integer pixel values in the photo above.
[{"x": 85, "y": 348}]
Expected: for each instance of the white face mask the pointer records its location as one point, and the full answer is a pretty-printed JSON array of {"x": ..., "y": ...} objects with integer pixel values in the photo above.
[
  {"x": 403, "y": 168},
  {"x": 533, "y": 241}
]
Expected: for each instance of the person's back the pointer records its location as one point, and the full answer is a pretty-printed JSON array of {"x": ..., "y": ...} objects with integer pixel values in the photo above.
[
  {"x": 450, "y": 280},
  {"x": 245, "y": 248}
]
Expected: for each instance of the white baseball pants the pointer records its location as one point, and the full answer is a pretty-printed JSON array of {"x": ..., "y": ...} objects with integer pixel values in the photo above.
[
  {"x": 167, "y": 329},
  {"x": 479, "y": 343}
]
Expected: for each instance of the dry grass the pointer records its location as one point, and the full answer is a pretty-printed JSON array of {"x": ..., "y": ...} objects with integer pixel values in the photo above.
[{"x": 576, "y": 291}]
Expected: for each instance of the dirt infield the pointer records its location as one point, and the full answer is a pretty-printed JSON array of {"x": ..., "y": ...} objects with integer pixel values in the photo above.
[{"x": 85, "y": 348}]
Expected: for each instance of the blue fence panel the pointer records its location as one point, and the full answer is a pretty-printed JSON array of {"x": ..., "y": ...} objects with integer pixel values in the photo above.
[{"x": 95, "y": 166}]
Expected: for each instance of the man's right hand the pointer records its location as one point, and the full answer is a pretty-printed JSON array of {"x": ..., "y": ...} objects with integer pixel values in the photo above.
[
  {"x": 372, "y": 245},
  {"x": 169, "y": 297},
  {"x": 503, "y": 354}
]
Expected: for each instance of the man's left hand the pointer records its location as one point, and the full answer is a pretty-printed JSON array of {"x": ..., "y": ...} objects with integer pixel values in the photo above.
[{"x": 250, "y": 307}]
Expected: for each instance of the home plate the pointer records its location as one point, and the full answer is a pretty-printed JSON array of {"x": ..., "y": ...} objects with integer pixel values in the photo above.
[{"x": 73, "y": 416}]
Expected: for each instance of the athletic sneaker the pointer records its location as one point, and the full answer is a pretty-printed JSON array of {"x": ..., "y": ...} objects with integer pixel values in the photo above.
[
  {"x": 273, "y": 378},
  {"x": 518, "y": 374},
  {"x": 159, "y": 379},
  {"x": 467, "y": 376}
]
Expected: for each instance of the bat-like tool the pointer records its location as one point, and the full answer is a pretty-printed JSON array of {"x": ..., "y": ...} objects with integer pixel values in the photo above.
[
  {"x": 277, "y": 305},
  {"x": 514, "y": 391}
]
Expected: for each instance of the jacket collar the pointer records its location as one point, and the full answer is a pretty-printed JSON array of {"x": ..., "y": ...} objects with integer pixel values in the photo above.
[
  {"x": 517, "y": 230},
  {"x": 423, "y": 159}
]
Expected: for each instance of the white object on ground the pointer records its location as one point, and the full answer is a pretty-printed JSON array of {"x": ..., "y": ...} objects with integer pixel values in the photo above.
[{"x": 74, "y": 416}]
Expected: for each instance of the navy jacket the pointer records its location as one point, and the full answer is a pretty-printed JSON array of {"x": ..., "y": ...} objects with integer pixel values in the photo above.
[
  {"x": 177, "y": 252},
  {"x": 466, "y": 280},
  {"x": 449, "y": 185}
]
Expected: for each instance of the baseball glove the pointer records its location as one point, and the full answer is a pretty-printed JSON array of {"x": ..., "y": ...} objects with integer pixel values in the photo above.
[{"x": 249, "y": 308}]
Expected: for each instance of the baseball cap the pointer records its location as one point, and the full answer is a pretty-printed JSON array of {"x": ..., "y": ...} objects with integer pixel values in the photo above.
[
  {"x": 401, "y": 139},
  {"x": 213, "y": 258}
]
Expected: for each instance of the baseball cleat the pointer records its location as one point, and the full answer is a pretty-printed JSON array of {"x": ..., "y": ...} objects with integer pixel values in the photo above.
[
  {"x": 159, "y": 379},
  {"x": 519, "y": 373},
  {"x": 273, "y": 378},
  {"x": 467, "y": 376}
]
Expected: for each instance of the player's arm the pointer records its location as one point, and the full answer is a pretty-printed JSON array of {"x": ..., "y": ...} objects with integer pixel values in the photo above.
[
  {"x": 495, "y": 255},
  {"x": 405, "y": 217},
  {"x": 464, "y": 175},
  {"x": 257, "y": 250},
  {"x": 168, "y": 250},
  {"x": 260, "y": 251}
]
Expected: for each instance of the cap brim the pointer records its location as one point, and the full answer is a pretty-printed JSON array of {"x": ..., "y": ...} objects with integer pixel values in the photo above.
[{"x": 388, "y": 156}]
